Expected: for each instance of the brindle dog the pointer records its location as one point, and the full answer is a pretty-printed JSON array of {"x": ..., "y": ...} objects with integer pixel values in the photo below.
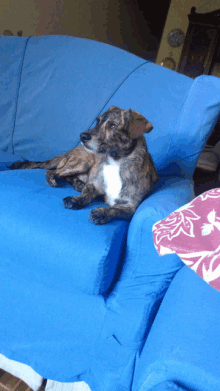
[{"x": 113, "y": 162}]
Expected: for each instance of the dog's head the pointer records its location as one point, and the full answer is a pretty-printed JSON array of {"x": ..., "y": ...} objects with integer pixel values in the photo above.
[{"x": 116, "y": 132}]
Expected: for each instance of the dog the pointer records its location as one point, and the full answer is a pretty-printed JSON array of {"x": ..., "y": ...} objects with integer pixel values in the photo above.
[{"x": 113, "y": 162}]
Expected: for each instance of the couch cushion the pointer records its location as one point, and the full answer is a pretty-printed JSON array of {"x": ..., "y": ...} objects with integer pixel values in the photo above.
[
  {"x": 41, "y": 240},
  {"x": 50, "y": 329},
  {"x": 64, "y": 85},
  {"x": 183, "y": 344}
]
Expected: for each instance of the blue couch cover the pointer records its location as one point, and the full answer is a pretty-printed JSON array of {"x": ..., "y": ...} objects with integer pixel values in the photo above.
[
  {"x": 183, "y": 344},
  {"x": 78, "y": 301}
]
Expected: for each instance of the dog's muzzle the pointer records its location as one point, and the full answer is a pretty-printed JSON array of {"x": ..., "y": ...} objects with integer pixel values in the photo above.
[{"x": 84, "y": 137}]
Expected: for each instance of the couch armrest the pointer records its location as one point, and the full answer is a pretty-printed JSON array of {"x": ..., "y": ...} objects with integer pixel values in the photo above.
[
  {"x": 183, "y": 344},
  {"x": 7, "y": 159},
  {"x": 143, "y": 282},
  {"x": 146, "y": 275},
  {"x": 141, "y": 256}
]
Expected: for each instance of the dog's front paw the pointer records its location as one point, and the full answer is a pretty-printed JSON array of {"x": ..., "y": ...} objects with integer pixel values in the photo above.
[
  {"x": 72, "y": 203},
  {"x": 99, "y": 216}
]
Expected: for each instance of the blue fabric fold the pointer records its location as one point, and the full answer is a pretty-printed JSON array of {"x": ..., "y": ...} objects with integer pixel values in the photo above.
[{"x": 7, "y": 159}]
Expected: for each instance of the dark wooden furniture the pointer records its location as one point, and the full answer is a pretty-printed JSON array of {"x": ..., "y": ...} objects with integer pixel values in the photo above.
[
  {"x": 202, "y": 44},
  {"x": 201, "y": 51},
  {"x": 201, "y": 55}
]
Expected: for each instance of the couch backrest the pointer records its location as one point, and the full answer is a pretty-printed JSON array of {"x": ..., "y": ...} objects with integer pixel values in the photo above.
[
  {"x": 53, "y": 88},
  {"x": 11, "y": 58},
  {"x": 63, "y": 82},
  {"x": 183, "y": 112}
]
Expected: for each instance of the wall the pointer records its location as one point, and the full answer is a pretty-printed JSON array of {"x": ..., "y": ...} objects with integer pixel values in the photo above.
[
  {"x": 86, "y": 18},
  {"x": 177, "y": 18},
  {"x": 118, "y": 22}
]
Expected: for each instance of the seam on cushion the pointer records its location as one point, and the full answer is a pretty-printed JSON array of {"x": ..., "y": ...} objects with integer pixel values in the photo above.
[
  {"x": 117, "y": 88},
  {"x": 161, "y": 215},
  {"x": 138, "y": 244},
  {"x": 17, "y": 97},
  {"x": 194, "y": 154},
  {"x": 139, "y": 250},
  {"x": 150, "y": 64},
  {"x": 155, "y": 213},
  {"x": 123, "y": 81},
  {"x": 180, "y": 115},
  {"x": 98, "y": 336},
  {"x": 133, "y": 353},
  {"x": 179, "y": 123},
  {"x": 179, "y": 120},
  {"x": 140, "y": 237}
]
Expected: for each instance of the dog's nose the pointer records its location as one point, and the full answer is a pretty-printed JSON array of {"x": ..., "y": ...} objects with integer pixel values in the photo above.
[{"x": 85, "y": 137}]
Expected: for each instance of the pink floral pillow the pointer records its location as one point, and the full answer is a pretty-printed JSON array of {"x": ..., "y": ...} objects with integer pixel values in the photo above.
[{"x": 193, "y": 232}]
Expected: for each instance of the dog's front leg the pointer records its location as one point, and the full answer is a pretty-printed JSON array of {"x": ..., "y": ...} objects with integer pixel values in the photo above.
[
  {"x": 89, "y": 192},
  {"x": 104, "y": 215}
]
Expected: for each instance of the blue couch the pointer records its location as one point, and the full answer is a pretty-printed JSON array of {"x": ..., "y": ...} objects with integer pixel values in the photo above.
[{"x": 97, "y": 303}]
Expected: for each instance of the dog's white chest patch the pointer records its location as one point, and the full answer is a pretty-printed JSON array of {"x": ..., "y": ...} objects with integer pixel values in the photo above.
[{"x": 112, "y": 180}]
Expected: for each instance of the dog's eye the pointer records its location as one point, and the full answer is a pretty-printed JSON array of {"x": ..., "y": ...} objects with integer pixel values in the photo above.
[
  {"x": 98, "y": 120},
  {"x": 112, "y": 125}
]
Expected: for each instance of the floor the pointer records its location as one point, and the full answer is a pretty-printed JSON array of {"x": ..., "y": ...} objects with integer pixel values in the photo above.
[
  {"x": 12, "y": 372},
  {"x": 9, "y": 382}
]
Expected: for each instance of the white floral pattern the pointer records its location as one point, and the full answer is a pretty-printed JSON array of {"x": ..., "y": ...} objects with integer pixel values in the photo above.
[
  {"x": 208, "y": 228},
  {"x": 177, "y": 222},
  {"x": 193, "y": 232},
  {"x": 214, "y": 193}
]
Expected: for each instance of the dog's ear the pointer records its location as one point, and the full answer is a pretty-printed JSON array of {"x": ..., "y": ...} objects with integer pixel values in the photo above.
[
  {"x": 138, "y": 125},
  {"x": 113, "y": 108}
]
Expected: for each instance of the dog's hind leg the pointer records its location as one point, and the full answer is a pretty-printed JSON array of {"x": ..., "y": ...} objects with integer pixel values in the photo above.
[
  {"x": 77, "y": 182},
  {"x": 48, "y": 164}
]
